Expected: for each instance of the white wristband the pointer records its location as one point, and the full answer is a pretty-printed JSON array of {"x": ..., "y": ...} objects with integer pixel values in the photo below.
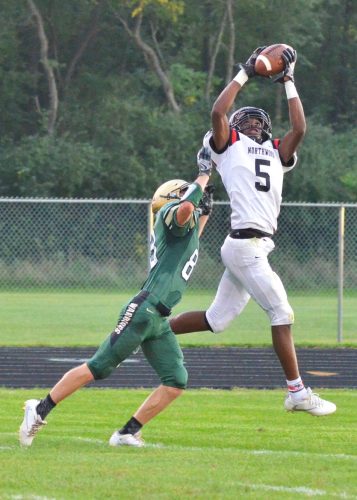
[
  {"x": 241, "y": 77},
  {"x": 290, "y": 89}
]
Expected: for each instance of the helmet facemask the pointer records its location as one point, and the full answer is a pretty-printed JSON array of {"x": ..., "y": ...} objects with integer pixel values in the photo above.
[{"x": 239, "y": 121}]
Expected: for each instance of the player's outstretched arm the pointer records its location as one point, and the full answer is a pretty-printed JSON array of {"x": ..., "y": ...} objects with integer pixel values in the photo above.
[
  {"x": 202, "y": 224},
  {"x": 194, "y": 194},
  {"x": 205, "y": 206},
  {"x": 191, "y": 199},
  {"x": 294, "y": 137},
  {"x": 225, "y": 100}
]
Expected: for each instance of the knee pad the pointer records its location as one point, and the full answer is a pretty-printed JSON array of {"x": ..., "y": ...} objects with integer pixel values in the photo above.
[
  {"x": 177, "y": 378},
  {"x": 281, "y": 314}
]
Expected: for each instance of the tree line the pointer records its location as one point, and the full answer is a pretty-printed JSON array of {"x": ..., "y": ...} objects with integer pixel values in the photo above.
[{"x": 110, "y": 98}]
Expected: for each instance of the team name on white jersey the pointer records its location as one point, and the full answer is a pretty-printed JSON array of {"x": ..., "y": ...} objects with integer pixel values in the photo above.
[{"x": 254, "y": 150}]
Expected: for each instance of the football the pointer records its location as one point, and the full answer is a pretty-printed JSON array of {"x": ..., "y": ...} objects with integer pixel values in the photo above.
[{"x": 269, "y": 62}]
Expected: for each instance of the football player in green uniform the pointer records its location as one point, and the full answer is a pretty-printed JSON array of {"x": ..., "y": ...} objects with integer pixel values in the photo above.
[{"x": 181, "y": 210}]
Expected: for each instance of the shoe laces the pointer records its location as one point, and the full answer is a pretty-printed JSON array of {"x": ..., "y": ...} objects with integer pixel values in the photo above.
[
  {"x": 36, "y": 427},
  {"x": 315, "y": 399},
  {"x": 138, "y": 437}
]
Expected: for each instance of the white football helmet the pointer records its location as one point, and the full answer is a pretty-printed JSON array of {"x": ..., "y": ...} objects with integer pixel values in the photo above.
[{"x": 170, "y": 190}]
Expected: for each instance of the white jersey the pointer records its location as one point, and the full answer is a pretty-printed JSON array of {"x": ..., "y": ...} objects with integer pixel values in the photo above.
[{"x": 252, "y": 174}]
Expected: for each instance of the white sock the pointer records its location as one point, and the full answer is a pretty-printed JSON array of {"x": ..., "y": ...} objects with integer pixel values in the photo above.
[{"x": 296, "y": 389}]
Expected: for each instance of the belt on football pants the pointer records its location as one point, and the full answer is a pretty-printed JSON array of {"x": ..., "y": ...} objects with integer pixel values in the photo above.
[
  {"x": 245, "y": 234},
  {"x": 159, "y": 306}
]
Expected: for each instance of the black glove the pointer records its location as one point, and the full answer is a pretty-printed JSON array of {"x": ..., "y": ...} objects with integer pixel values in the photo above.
[
  {"x": 204, "y": 163},
  {"x": 249, "y": 66},
  {"x": 289, "y": 56},
  {"x": 206, "y": 203}
]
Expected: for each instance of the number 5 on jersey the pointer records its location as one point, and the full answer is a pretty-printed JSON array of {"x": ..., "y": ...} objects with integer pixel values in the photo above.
[{"x": 264, "y": 175}]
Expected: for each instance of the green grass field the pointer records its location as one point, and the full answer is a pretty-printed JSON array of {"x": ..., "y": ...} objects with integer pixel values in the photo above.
[
  {"x": 77, "y": 318},
  {"x": 208, "y": 444}
]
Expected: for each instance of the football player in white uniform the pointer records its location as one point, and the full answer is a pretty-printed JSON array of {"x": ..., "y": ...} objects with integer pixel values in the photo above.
[{"x": 252, "y": 166}]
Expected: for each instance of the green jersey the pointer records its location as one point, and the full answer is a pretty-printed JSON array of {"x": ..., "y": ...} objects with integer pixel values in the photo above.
[
  {"x": 143, "y": 321},
  {"x": 173, "y": 255}
]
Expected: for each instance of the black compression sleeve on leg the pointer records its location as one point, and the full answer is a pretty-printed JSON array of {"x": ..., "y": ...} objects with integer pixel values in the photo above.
[
  {"x": 45, "y": 406},
  {"x": 131, "y": 427}
]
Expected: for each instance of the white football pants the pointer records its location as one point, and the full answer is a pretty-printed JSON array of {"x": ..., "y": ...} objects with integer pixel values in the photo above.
[{"x": 248, "y": 274}]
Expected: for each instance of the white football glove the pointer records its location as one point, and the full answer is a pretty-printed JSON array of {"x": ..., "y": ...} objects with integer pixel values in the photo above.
[{"x": 204, "y": 162}]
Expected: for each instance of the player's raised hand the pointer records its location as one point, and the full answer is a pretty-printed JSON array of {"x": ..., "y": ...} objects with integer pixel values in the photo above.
[
  {"x": 249, "y": 65},
  {"x": 289, "y": 56},
  {"x": 206, "y": 202},
  {"x": 204, "y": 163}
]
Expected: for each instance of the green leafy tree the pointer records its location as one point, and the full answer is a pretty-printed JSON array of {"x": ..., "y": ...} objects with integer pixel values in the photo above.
[
  {"x": 125, "y": 88},
  {"x": 50, "y": 166},
  {"x": 327, "y": 167}
]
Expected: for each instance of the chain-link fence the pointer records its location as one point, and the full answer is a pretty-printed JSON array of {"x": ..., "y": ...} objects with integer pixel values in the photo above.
[
  {"x": 103, "y": 244},
  {"x": 55, "y": 243},
  {"x": 72, "y": 243}
]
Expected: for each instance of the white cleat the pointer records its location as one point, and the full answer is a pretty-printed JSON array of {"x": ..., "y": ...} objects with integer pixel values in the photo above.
[
  {"x": 312, "y": 404},
  {"x": 126, "y": 440},
  {"x": 31, "y": 423}
]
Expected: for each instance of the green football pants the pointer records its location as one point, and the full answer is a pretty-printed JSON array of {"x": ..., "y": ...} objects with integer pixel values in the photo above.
[{"x": 141, "y": 325}]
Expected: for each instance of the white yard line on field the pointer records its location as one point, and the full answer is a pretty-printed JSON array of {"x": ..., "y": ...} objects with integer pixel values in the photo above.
[
  {"x": 25, "y": 496},
  {"x": 287, "y": 453},
  {"x": 299, "y": 490},
  {"x": 339, "y": 456}
]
